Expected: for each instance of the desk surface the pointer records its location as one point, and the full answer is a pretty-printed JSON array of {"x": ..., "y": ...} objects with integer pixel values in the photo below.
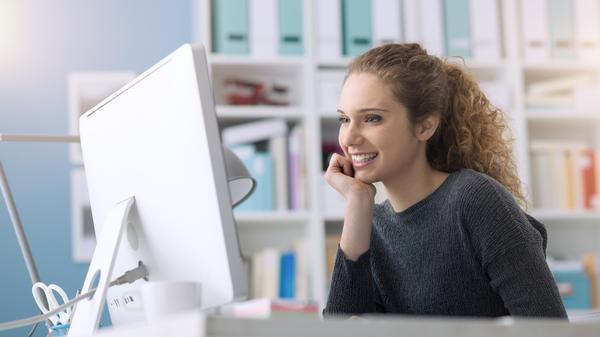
[{"x": 196, "y": 324}]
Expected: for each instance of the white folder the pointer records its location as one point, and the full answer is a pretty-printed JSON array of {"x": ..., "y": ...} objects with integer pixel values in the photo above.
[
  {"x": 263, "y": 28},
  {"x": 587, "y": 29},
  {"x": 536, "y": 34},
  {"x": 387, "y": 21},
  {"x": 485, "y": 29},
  {"x": 431, "y": 26},
  {"x": 329, "y": 28},
  {"x": 410, "y": 11}
]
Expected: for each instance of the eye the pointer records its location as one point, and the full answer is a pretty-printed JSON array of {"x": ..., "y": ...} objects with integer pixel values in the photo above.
[
  {"x": 342, "y": 119},
  {"x": 372, "y": 119}
]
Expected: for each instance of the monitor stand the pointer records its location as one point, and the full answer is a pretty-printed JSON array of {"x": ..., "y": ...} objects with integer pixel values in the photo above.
[{"x": 89, "y": 311}]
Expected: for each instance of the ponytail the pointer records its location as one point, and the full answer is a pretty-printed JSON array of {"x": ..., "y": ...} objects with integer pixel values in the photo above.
[{"x": 474, "y": 134}]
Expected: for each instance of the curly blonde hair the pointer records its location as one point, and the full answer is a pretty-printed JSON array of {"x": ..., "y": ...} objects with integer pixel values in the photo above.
[{"x": 472, "y": 133}]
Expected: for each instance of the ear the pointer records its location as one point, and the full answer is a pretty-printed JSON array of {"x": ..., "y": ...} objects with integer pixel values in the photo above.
[{"x": 427, "y": 127}]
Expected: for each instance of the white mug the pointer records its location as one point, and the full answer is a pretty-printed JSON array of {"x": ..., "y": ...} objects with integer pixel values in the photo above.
[{"x": 162, "y": 298}]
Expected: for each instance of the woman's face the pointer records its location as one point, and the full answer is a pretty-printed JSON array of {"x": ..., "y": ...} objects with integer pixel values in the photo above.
[{"x": 375, "y": 132}]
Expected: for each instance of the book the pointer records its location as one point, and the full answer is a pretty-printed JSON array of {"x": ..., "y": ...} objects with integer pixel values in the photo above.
[
  {"x": 264, "y": 28},
  {"x": 254, "y": 131},
  {"x": 332, "y": 242},
  {"x": 329, "y": 29},
  {"x": 287, "y": 277},
  {"x": 387, "y": 21},
  {"x": 587, "y": 29},
  {"x": 296, "y": 167},
  {"x": 457, "y": 28},
  {"x": 260, "y": 166},
  {"x": 565, "y": 175},
  {"x": 560, "y": 18},
  {"x": 266, "y": 269},
  {"x": 230, "y": 26},
  {"x": 431, "y": 26},
  {"x": 357, "y": 28},
  {"x": 300, "y": 248},
  {"x": 535, "y": 31},
  {"x": 291, "y": 27},
  {"x": 263, "y": 308},
  {"x": 485, "y": 29},
  {"x": 274, "y": 132}
]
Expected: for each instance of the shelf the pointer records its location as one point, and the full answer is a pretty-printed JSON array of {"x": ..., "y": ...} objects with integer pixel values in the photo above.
[
  {"x": 335, "y": 63},
  {"x": 480, "y": 65},
  {"x": 258, "y": 111},
  {"x": 565, "y": 215},
  {"x": 560, "y": 65},
  {"x": 471, "y": 64},
  {"x": 216, "y": 59},
  {"x": 331, "y": 216},
  {"x": 580, "y": 315},
  {"x": 563, "y": 114},
  {"x": 271, "y": 218}
]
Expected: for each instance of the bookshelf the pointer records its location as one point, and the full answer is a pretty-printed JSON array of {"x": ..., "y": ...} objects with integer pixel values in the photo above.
[{"x": 313, "y": 107}]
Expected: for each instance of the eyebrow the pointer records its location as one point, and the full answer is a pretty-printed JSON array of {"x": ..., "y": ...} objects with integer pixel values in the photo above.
[{"x": 366, "y": 110}]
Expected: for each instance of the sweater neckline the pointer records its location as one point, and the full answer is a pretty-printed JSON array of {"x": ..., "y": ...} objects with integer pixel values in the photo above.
[{"x": 440, "y": 190}]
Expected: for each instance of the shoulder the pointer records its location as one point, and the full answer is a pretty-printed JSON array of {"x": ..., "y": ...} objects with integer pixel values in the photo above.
[
  {"x": 475, "y": 189},
  {"x": 491, "y": 214}
]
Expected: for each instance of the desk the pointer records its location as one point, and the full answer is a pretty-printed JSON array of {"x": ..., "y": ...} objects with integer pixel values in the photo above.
[{"x": 196, "y": 324}]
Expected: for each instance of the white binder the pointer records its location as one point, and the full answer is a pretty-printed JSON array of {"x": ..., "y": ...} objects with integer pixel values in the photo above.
[
  {"x": 329, "y": 29},
  {"x": 587, "y": 29},
  {"x": 387, "y": 21},
  {"x": 536, "y": 34},
  {"x": 431, "y": 26},
  {"x": 485, "y": 29},
  {"x": 410, "y": 17},
  {"x": 263, "y": 28}
]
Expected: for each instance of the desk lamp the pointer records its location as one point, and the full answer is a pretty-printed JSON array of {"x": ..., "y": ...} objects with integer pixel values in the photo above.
[{"x": 241, "y": 186}]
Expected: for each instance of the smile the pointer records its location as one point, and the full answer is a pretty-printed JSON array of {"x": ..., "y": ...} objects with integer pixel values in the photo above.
[{"x": 363, "y": 159}]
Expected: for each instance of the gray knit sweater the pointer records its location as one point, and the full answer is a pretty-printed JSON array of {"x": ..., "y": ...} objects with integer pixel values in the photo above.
[{"x": 467, "y": 250}]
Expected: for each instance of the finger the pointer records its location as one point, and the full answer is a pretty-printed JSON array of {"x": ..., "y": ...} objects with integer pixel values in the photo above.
[
  {"x": 348, "y": 169},
  {"x": 334, "y": 164}
]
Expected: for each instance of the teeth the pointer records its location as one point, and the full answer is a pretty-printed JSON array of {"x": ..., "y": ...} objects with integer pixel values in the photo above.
[{"x": 362, "y": 158}]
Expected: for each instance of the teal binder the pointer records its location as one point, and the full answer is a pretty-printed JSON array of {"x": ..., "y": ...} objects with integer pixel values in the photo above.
[
  {"x": 560, "y": 17},
  {"x": 261, "y": 167},
  {"x": 457, "y": 28},
  {"x": 356, "y": 26},
  {"x": 230, "y": 26},
  {"x": 578, "y": 295},
  {"x": 290, "y": 27}
]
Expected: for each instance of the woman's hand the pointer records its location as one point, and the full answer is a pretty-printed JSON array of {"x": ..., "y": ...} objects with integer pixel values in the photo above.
[
  {"x": 360, "y": 197},
  {"x": 340, "y": 176}
]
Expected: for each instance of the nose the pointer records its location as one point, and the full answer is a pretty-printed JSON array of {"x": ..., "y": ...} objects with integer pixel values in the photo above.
[{"x": 350, "y": 134}]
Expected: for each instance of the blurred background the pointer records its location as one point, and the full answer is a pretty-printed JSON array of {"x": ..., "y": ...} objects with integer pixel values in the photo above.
[{"x": 277, "y": 66}]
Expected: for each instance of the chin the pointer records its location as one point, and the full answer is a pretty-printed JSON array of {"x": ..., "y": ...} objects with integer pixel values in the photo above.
[{"x": 366, "y": 178}]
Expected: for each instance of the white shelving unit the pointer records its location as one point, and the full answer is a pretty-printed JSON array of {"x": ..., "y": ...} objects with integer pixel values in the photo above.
[{"x": 264, "y": 229}]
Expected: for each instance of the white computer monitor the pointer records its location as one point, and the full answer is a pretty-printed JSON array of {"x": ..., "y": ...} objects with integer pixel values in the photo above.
[{"x": 157, "y": 140}]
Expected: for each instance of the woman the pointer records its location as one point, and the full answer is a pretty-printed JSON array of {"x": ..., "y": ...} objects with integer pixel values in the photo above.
[{"x": 451, "y": 239}]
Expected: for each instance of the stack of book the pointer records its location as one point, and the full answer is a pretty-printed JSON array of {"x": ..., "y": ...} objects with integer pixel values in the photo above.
[
  {"x": 280, "y": 274},
  {"x": 578, "y": 94},
  {"x": 265, "y": 308},
  {"x": 274, "y": 156},
  {"x": 565, "y": 175}
]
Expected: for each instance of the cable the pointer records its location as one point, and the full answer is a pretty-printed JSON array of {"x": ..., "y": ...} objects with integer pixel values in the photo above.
[
  {"x": 128, "y": 277},
  {"x": 33, "y": 329}
]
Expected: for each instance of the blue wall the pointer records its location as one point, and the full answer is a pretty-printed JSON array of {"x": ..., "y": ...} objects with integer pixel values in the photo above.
[{"x": 40, "y": 42}]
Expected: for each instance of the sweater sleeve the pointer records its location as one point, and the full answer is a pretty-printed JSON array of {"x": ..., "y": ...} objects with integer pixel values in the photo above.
[
  {"x": 511, "y": 252},
  {"x": 352, "y": 288}
]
